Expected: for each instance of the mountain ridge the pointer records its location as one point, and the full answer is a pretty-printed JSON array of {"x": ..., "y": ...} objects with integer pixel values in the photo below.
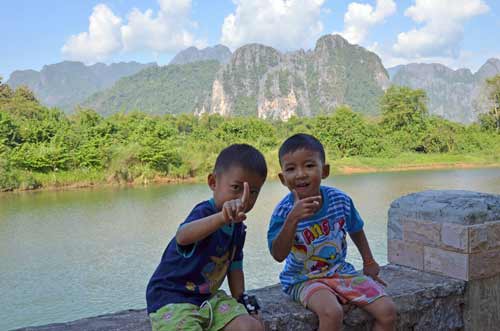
[
  {"x": 65, "y": 84},
  {"x": 457, "y": 95},
  {"x": 258, "y": 80}
]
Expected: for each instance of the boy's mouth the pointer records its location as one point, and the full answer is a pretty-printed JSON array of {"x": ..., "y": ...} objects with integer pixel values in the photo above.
[{"x": 300, "y": 186}]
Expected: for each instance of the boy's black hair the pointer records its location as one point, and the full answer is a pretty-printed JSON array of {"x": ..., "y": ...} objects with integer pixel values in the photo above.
[
  {"x": 241, "y": 155},
  {"x": 301, "y": 141}
]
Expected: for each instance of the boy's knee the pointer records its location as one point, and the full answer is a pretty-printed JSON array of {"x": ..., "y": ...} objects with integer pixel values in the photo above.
[
  {"x": 253, "y": 324},
  {"x": 244, "y": 323},
  {"x": 332, "y": 313},
  {"x": 388, "y": 313}
]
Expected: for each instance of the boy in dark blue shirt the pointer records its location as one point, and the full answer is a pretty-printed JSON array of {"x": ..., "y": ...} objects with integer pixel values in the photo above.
[{"x": 183, "y": 293}]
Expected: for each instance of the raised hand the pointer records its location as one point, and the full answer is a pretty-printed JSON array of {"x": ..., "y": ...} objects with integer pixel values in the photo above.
[
  {"x": 234, "y": 211},
  {"x": 304, "y": 208}
]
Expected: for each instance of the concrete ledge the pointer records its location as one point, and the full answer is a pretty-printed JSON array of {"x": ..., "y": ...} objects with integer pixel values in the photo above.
[{"x": 424, "y": 301}]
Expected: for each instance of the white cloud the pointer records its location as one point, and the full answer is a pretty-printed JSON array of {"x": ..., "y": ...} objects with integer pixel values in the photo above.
[
  {"x": 167, "y": 30},
  {"x": 102, "y": 39},
  {"x": 443, "y": 28},
  {"x": 359, "y": 18},
  {"x": 285, "y": 24}
]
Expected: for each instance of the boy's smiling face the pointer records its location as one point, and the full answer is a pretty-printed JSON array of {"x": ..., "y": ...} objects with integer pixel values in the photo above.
[
  {"x": 229, "y": 186},
  {"x": 302, "y": 171}
]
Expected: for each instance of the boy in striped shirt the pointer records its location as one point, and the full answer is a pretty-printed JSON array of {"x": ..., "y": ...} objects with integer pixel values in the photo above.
[{"x": 308, "y": 228}]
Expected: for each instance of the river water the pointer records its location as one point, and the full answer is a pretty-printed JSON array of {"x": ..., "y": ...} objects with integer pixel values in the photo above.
[{"x": 66, "y": 255}]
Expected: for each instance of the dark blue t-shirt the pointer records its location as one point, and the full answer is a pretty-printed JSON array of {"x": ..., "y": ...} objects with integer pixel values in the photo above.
[{"x": 192, "y": 274}]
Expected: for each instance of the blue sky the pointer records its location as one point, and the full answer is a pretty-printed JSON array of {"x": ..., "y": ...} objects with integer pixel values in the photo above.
[{"x": 458, "y": 33}]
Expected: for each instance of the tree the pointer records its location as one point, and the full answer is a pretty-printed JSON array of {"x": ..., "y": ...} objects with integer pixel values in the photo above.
[
  {"x": 491, "y": 120},
  {"x": 403, "y": 106},
  {"x": 345, "y": 133},
  {"x": 405, "y": 116}
]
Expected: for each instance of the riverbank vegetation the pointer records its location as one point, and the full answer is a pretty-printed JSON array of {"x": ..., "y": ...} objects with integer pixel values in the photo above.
[{"x": 42, "y": 147}]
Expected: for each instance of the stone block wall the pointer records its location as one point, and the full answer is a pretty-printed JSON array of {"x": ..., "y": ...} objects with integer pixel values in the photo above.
[
  {"x": 453, "y": 233},
  {"x": 456, "y": 234}
]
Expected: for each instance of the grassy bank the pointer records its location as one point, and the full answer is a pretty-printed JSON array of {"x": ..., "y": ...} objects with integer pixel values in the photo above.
[
  {"x": 414, "y": 161},
  {"x": 406, "y": 161}
]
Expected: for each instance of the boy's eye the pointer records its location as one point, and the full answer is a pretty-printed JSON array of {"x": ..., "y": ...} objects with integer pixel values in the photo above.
[
  {"x": 235, "y": 187},
  {"x": 310, "y": 165},
  {"x": 289, "y": 169}
]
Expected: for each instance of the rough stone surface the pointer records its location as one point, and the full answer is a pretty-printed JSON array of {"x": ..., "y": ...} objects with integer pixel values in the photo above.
[
  {"x": 484, "y": 264},
  {"x": 405, "y": 253},
  {"x": 424, "y": 301},
  {"x": 126, "y": 320},
  {"x": 458, "y": 232},
  {"x": 451, "y": 206},
  {"x": 426, "y": 233},
  {"x": 455, "y": 237},
  {"x": 447, "y": 263},
  {"x": 484, "y": 237},
  {"x": 482, "y": 304}
]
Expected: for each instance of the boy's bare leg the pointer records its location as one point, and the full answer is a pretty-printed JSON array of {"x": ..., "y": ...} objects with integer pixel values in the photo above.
[
  {"x": 244, "y": 323},
  {"x": 383, "y": 311},
  {"x": 330, "y": 313}
]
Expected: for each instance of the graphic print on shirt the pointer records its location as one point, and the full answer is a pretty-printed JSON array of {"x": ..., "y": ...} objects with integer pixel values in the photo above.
[
  {"x": 320, "y": 246},
  {"x": 215, "y": 271}
]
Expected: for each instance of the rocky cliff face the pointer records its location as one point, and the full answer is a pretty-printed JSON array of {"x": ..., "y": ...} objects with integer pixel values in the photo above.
[
  {"x": 457, "y": 95},
  {"x": 67, "y": 83},
  {"x": 261, "y": 81},
  {"x": 219, "y": 53}
]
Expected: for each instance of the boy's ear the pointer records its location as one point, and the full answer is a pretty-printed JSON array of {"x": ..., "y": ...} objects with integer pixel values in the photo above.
[
  {"x": 326, "y": 171},
  {"x": 211, "y": 181},
  {"x": 282, "y": 179}
]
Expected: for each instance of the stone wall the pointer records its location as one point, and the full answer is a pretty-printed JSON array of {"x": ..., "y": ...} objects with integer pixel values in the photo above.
[
  {"x": 456, "y": 234},
  {"x": 444, "y": 272},
  {"x": 424, "y": 300}
]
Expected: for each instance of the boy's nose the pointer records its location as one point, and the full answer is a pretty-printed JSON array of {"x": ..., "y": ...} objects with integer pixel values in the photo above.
[{"x": 300, "y": 173}]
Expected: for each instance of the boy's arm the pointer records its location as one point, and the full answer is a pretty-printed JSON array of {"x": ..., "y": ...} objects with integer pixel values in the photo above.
[
  {"x": 192, "y": 232},
  {"x": 370, "y": 266},
  {"x": 236, "y": 281},
  {"x": 283, "y": 242},
  {"x": 232, "y": 210}
]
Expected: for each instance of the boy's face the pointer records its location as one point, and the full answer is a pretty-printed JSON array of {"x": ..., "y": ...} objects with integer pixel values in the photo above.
[
  {"x": 229, "y": 186},
  {"x": 303, "y": 171}
]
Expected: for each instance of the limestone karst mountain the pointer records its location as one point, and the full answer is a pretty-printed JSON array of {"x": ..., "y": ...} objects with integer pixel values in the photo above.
[
  {"x": 68, "y": 83},
  {"x": 219, "y": 53},
  {"x": 457, "y": 95}
]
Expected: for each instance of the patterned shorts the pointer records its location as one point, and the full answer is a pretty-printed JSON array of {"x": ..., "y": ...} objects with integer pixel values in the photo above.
[
  {"x": 355, "y": 289},
  {"x": 212, "y": 315}
]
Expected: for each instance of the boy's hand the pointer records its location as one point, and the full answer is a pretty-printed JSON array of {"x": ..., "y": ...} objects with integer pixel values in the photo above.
[
  {"x": 234, "y": 210},
  {"x": 304, "y": 208},
  {"x": 373, "y": 270}
]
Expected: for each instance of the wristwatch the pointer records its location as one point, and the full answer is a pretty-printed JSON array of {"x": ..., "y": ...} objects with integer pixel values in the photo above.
[{"x": 250, "y": 302}]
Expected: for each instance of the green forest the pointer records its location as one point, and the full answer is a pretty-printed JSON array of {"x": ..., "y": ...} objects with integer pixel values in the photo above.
[{"x": 42, "y": 147}]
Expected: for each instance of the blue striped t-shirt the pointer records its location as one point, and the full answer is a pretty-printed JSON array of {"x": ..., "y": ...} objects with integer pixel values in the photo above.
[{"x": 319, "y": 249}]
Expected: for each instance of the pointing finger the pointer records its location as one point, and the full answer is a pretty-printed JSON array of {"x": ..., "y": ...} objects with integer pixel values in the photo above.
[{"x": 246, "y": 193}]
